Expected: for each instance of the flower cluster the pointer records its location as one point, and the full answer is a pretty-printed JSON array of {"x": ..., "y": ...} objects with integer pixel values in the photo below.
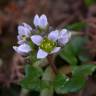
[{"x": 48, "y": 43}]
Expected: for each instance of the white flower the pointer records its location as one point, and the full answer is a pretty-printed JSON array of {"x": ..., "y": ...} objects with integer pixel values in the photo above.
[
  {"x": 64, "y": 37},
  {"x": 54, "y": 35},
  {"x": 46, "y": 45},
  {"x": 22, "y": 49},
  {"x": 40, "y": 21},
  {"x": 24, "y": 32}
]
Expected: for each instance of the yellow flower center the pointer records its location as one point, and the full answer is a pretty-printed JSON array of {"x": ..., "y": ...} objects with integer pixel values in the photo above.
[{"x": 47, "y": 45}]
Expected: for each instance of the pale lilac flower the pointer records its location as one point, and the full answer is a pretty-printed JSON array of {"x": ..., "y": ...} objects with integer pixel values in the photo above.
[
  {"x": 54, "y": 35},
  {"x": 64, "y": 37},
  {"x": 46, "y": 45},
  {"x": 40, "y": 21},
  {"x": 24, "y": 32},
  {"x": 22, "y": 49}
]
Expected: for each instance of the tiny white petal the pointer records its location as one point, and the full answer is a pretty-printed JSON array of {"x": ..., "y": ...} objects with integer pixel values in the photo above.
[
  {"x": 20, "y": 30},
  {"x": 36, "y": 39},
  {"x": 18, "y": 51},
  {"x": 27, "y": 32},
  {"x": 24, "y": 31},
  {"x": 18, "y": 37},
  {"x": 21, "y": 42},
  {"x": 36, "y": 20},
  {"x": 27, "y": 26},
  {"x": 63, "y": 31},
  {"x": 64, "y": 37},
  {"x": 15, "y": 48},
  {"x": 22, "y": 49},
  {"x": 43, "y": 21},
  {"x": 53, "y": 35},
  {"x": 55, "y": 50},
  {"x": 41, "y": 54}
]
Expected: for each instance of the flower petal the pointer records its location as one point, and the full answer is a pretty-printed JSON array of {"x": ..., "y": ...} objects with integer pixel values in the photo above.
[
  {"x": 36, "y": 20},
  {"x": 24, "y": 31},
  {"x": 18, "y": 51},
  {"x": 64, "y": 37},
  {"x": 22, "y": 49},
  {"x": 63, "y": 32},
  {"x": 53, "y": 35},
  {"x": 20, "y": 40},
  {"x": 27, "y": 26},
  {"x": 20, "y": 30},
  {"x": 43, "y": 21},
  {"x": 18, "y": 37},
  {"x": 41, "y": 54},
  {"x": 36, "y": 39},
  {"x": 55, "y": 50},
  {"x": 15, "y": 48}
]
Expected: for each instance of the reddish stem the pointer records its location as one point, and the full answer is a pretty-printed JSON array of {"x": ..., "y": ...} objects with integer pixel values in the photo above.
[{"x": 51, "y": 62}]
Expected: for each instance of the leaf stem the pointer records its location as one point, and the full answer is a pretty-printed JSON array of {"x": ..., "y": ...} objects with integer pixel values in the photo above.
[{"x": 77, "y": 33}]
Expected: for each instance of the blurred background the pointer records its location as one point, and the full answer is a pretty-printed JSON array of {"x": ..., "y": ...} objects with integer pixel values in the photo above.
[{"x": 60, "y": 13}]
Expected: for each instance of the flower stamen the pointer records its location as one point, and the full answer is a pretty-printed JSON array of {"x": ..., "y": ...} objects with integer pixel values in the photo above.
[{"x": 47, "y": 45}]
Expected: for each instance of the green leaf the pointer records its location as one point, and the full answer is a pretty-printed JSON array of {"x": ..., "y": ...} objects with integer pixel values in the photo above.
[
  {"x": 68, "y": 54},
  {"x": 32, "y": 78},
  {"x": 76, "y": 26},
  {"x": 31, "y": 84},
  {"x": 89, "y": 2},
  {"x": 74, "y": 84},
  {"x": 34, "y": 84},
  {"x": 47, "y": 80},
  {"x": 84, "y": 57},
  {"x": 33, "y": 72},
  {"x": 48, "y": 75},
  {"x": 79, "y": 75},
  {"x": 73, "y": 49},
  {"x": 78, "y": 44},
  {"x": 83, "y": 70},
  {"x": 47, "y": 92},
  {"x": 60, "y": 81},
  {"x": 65, "y": 85}
]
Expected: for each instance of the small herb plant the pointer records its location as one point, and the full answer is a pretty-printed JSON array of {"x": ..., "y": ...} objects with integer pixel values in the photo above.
[{"x": 41, "y": 45}]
